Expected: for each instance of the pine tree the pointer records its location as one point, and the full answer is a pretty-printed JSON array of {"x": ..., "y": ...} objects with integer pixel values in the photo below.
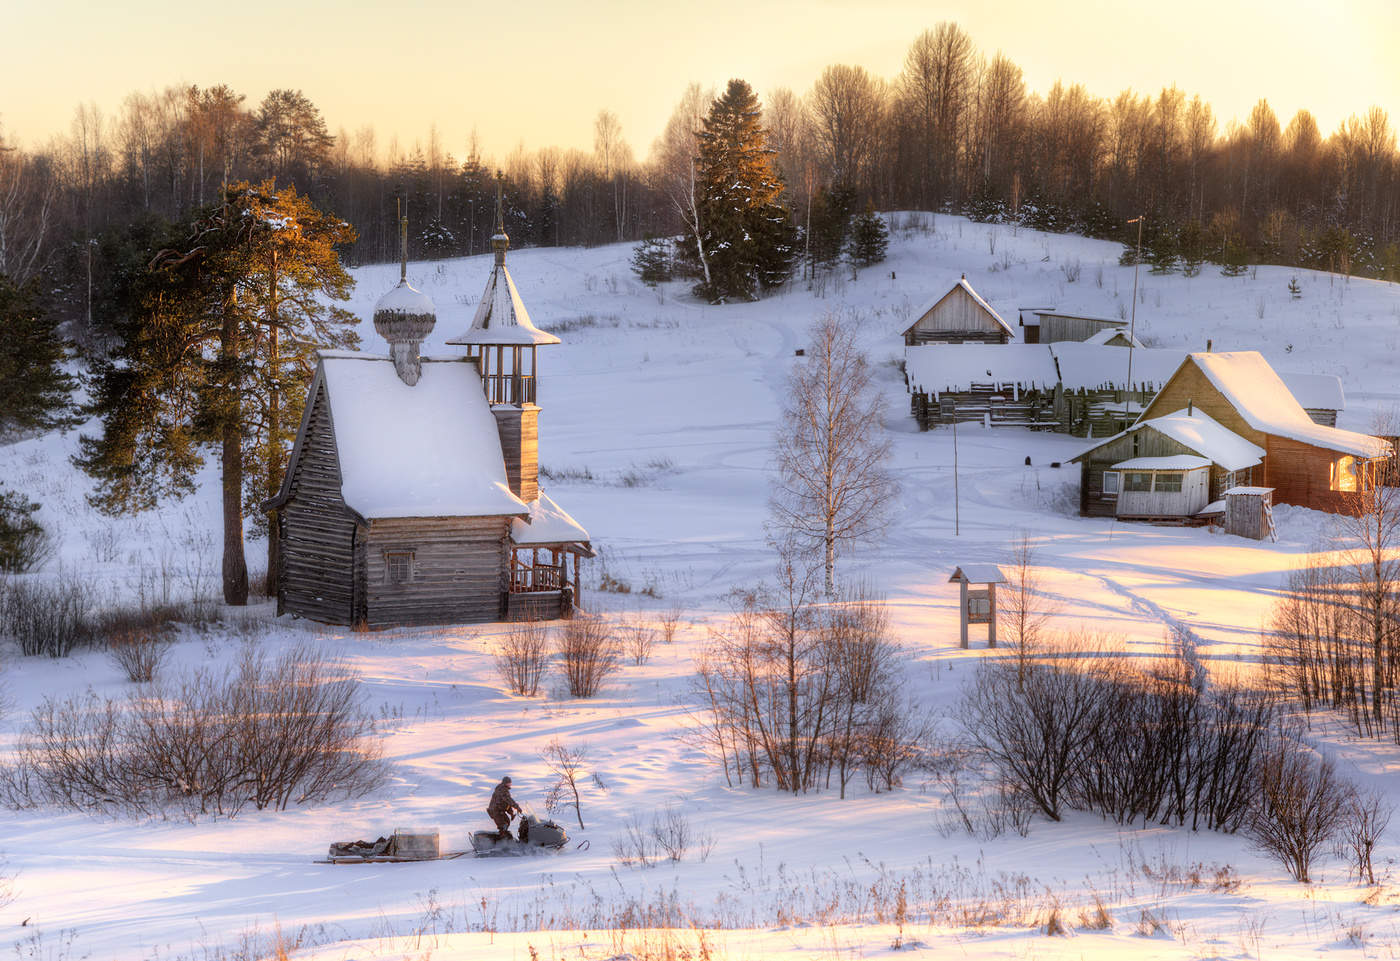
[
  {"x": 830, "y": 224},
  {"x": 747, "y": 235},
  {"x": 34, "y": 388},
  {"x": 215, "y": 349},
  {"x": 651, "y": 260},
  {"x": 870, "y": 238}
]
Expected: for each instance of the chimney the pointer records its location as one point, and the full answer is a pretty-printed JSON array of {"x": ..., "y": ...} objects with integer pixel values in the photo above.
[
  {"x": 1190, "y": 407},
  {"x": 1207, "y": 345}
]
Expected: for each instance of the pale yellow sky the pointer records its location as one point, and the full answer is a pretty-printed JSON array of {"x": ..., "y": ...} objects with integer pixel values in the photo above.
[{"x": 539, "y": 72}]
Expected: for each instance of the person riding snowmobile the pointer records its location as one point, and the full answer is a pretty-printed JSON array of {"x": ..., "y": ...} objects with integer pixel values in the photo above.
[{"x": 502, "y": 807}]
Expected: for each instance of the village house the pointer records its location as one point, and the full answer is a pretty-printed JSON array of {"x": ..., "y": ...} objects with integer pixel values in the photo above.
[
  {"x": 1225, "y": 421},
  {"x": 960, "y": 316},
  {"x": 412, "y": 492}
]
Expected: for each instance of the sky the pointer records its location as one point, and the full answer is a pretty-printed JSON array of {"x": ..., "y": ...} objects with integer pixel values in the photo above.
[{"x": 538, "y": 73}]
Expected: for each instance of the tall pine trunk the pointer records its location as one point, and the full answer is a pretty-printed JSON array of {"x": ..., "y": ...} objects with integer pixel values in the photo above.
[
  {"x": 274, "y": 438},
  {"x": 235, "y": 565}
]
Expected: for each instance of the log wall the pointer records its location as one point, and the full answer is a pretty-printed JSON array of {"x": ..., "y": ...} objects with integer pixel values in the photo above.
[
  {"x": 459, "y": 570},
  {"x": 318, "y": 533}
]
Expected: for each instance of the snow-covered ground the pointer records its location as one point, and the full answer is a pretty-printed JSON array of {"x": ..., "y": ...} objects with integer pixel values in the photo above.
[{"x": 658, "y": 415}]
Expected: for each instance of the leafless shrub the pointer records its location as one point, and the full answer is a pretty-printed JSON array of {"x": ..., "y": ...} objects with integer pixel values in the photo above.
[
  {"x": 272, "y": 732},
  {"x": 520, "y": 657},
  {"x": 1089, "y": 733},
  {"x": 568, "y": 765},
  {"x": 1026, "y": 610},
  {"x": 635, "y": 846},
  {"x": 139, "y": 651},
  {"x": 640, "y": 638},
  {"x": 1300, "y": 805},
  {"x": 670, "y": 619},
  {"x": 588, "y": 654},
  {"x": 1071, "y": 269},
  {"x": 1366, "y": 818},
  {"x": 47, "y": 617},
  {"x": 670, "y": 829},
  {"x": 803, "y": 693}
]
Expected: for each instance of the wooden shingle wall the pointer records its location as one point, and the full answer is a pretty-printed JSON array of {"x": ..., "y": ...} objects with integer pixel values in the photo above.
[{"x": 318, "y": 533}]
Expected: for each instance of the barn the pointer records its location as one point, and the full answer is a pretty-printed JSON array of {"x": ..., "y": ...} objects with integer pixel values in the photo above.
[
  {"x": 1305, "y": 463},
  {"x": 412, "y": 491},
  {"x": 960, "y": 316}
]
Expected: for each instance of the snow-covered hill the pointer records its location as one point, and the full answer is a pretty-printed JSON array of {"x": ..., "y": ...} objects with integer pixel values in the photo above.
[{"x": 658, "y": 415}]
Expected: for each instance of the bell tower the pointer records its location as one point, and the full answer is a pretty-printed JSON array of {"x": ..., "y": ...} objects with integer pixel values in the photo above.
[{"x": 503, "y": 341}]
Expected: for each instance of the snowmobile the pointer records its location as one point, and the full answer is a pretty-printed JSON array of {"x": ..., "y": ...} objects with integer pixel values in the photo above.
[{"x": 534, "y": 836}]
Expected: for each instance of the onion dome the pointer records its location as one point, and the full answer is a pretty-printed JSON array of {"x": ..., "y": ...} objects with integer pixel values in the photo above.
[{"x": 404, "y": 317}]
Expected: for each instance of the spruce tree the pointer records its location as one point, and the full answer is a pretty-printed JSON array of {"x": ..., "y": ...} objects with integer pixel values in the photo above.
[
  {"x": 746, "y": 233},
  {"x": 34, "y": 388},
  {"x": 651, "y": 260},
  {"x": 870, "y": 238},
  {"x": 215, "y": 349}
]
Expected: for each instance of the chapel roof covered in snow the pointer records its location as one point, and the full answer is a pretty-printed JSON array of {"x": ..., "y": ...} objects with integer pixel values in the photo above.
[
  {"x": 1245, "y": 379},
  {"x": 427, "y": 450}
]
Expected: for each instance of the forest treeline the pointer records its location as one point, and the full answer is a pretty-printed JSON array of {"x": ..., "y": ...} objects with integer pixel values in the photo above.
[{"x": 957, "y": 130}]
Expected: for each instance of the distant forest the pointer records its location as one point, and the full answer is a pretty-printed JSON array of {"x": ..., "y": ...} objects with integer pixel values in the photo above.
[{"x": 956, "y": 131}]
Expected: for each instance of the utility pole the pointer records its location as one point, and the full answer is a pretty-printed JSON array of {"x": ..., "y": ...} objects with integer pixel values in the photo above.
[
  {"x": 1132, "y": 324},
  {"x": 956, "y": 521}
]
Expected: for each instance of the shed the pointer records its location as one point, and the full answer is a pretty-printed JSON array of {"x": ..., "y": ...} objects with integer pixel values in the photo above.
[
  {"x": 1249, "y": 512},
  {"x": 998, "y": 385},
  {"x": 958, "y": 317},
  {"x": 1051, "y": 325},
  {"x": 977, "y": 598}
]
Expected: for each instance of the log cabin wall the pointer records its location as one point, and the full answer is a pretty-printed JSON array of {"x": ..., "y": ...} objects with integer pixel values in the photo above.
[
  {"x": 520, "y": 446},
  {"x": 457, "y": 571},
  {"x": 318, "y": 533},
  {"x": 1057, "y": 328},
  {"x": 1301, "y": 474},
  {"x": 1144, "y": 442},
  {"x": 956, "y": 319},
  {"x": 1189, "y": 386}
]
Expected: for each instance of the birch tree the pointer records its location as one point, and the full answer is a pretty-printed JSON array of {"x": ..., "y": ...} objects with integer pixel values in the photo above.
[{"x": 832, "y": 488}]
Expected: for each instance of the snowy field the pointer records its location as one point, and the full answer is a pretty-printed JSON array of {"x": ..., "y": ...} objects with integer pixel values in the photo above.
[{"x": 658, "y": 414}]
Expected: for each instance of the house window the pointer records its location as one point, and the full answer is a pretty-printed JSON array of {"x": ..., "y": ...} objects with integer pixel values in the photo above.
[
  {"x": 1344, "y": 475},
  {"x": 398, "y": 567},
  {"x": 1110, "y": 483},
  {"x": 1168, "y": 483},
  {"x": 1138, "y": 482}
]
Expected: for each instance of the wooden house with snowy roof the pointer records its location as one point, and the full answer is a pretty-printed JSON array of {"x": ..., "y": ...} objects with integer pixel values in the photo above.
[
  {"x": 960, "y": 316},
  {"x": 412, "y": 491},
  {"x": 1223, "y": 421}
]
